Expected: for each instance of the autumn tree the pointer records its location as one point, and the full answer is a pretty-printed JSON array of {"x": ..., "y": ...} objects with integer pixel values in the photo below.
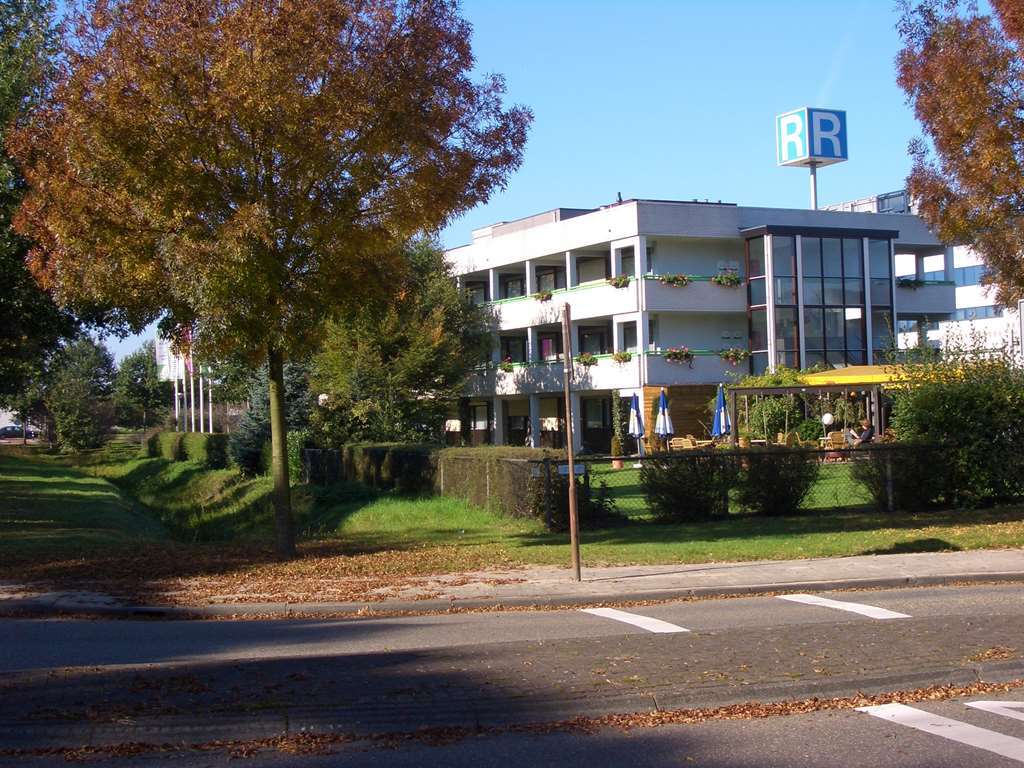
[
  {"x": 249, "y": 169},
  {"x": 963, "y": 72},
  {"x": 31, "y": 325}
]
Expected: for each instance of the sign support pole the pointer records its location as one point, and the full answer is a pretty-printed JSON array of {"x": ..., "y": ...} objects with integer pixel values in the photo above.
[
  {"x": 814, "y": 186},
  {"x": 574, "y": 532}
]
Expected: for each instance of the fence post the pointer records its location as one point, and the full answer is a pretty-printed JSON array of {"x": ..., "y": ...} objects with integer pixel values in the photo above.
[
  {"x": 890, "y": 502},
  {"x": 547, "y": 493}
]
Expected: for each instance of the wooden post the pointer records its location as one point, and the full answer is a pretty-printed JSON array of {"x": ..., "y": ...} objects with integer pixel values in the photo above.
[{"x": 574, "y": 533}]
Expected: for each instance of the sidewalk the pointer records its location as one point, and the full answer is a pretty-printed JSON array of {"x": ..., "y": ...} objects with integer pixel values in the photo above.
[{"x": 553, "y": 587}]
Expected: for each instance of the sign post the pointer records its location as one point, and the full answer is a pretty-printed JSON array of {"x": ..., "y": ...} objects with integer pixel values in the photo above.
[
  {"x": 574, "y": 532},
  {"x": 811, "y": 137}
]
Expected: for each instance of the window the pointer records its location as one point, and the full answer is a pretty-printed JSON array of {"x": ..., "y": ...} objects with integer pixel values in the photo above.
[
  {"x": 783, "y": 256},
  {"x": 810, "y": 251},
  {"x": 853, "y": 257},
  {"x": 513, "y": 348},
  {"x": 628, "y": 262},
  {"x": 758, "y": 329},
  {"x": 550, "y": 345},
  {"x": 755, "y": 257},
  {"x": 590, "y": 269},
  {"x": 550, "y": 278},
  {"x": 478, "y": 417},
  {"x": 831, "y": 257},
  {"x": 882, "y": 339},
  {"x": 512, "y": 286},
  {"x": 652, "y": 333},
  {"x": 596, "y": 413},
  {"x": 593, "y": 339},
  {"x": 979, "y": 313},
  {"x": 477, "y": 292},
  {"x": 629, "y": 336}
]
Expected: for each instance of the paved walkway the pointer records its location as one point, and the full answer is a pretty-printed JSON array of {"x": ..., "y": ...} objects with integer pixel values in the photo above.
[{"x": 554, "y": 586}]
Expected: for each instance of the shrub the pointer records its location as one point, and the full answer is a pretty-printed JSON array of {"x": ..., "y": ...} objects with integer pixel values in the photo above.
[
  {"x": 265, "y": 458},
  {"x": 549, "y": 501},
  {"x": 150, "y": 448},
  {"x": 495, "y": 477},
  {"x": 770, "y": 415},
  {"x": 171, "y": 446},
  {"x": 919, "y": 475},
  {"x": 775, "y": 481},
  {"x": 210, "y": 450},
  {"x": 809, "y": 429},
  {"x": 297, "y": 440},
  {"x": 690, "y": 487}
]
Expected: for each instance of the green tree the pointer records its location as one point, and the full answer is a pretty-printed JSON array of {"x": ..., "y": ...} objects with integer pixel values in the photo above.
[
  {"x": 248, "y": 440},
  {"x": 249, "y": 170},
  {"x": 80, "y": 395},
  {"x": 963, "y": 72},
  {"x": 392, "y": 371},
  {"x": 31, "y": 325},
  {"x": 140, "y": 398}
]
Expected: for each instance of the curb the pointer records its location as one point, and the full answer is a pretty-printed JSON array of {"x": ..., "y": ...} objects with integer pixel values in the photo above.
[{"x": 34, "y": 608}]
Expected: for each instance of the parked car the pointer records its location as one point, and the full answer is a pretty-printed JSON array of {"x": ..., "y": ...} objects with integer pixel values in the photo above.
[{"x": 15, "y": 431}]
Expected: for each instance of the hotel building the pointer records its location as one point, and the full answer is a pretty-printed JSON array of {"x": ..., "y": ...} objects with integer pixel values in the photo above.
[{"x": 648, "y": 279}]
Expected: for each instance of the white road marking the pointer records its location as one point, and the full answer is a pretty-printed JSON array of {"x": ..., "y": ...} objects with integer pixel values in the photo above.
[
  {"x": 644, "y": 622},
  {"x": 864, "y": 610},
  {"x": 1004, "y": 708},
  {"x": 954, "y": 730}
]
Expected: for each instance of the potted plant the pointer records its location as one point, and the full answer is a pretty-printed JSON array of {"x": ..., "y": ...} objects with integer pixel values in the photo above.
[
  {"x": 734, "y": 355},
  {"x": 586, "y": 359},
  {"x": 727, "y": 279},
  {"x": 619, "y": 425},
  {"x": 506, "y": 365},
  {"x": 619, "y": 281},
  {"x": 542, "y": 295},
  {"x": 617, "y": 463},
  {"x": 909, "y": 282},
  {"x": 622, "y": 356},
  {"x": 679, "y": 355},
  {"x": 676, "y": 281}
]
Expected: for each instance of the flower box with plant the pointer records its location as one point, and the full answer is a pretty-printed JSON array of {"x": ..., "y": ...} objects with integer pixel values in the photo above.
[
  {"x": 909, "y": 282},
  {"x": 676, "y": 281},
  {"x": 542, "y": 295},
  {"x": 679, "y": 355},
  {"x": 622, "y": 357},
  {"x": 619, "y": 281},
  {"x": 507, "y": 365},
  {"x": 586, "y": 359},
  {"x": 727, "y": 279},
  {"x": 734, "y": 355}
]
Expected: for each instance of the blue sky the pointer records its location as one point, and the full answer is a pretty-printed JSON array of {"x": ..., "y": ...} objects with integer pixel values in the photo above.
[{"x": 676, "y": 99}]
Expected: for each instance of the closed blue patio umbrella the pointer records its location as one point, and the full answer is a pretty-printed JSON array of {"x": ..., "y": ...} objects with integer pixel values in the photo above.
[
  {"x": 663, "y": 424},
  {"x": 636, "y": 423},
  {"x": 721, "y": 426}
]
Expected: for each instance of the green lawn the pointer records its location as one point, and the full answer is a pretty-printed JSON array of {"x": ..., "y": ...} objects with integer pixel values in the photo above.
[{"x": 113, "y": 500}]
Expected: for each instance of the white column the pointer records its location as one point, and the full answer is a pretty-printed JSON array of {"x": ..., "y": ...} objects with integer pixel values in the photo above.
[
  {"x": 570, "y": 270},
  {"x": 209, "y": 400},
  {"x": 918, "y": 266},
  {"x": 492, "y": 285},
  {"x": 532, "y": 349},
  {"x": 616, "y": 335},
  {"x": 947, "y": 263},
  {"x": 531, "y": 278},
  {"x": 535, "y": 421},
  {"x": 192, "y": 396},
  {"x": 615, "y": 261},
  {"x": 577, "y": 424},
  {"x": 202, "y": 399},
  {"x": 184, "y": 394},
  {"x": 498, "y": 421}
]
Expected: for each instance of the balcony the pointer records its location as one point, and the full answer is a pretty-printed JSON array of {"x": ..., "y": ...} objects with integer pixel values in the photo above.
[
  {"x": 935, "y": 299},
  {"x": 546, "y": 377},
  {"x": 700, "y": 295},
  {"x": 705, "y": 368},
  {"x": 597, "y": 299}
]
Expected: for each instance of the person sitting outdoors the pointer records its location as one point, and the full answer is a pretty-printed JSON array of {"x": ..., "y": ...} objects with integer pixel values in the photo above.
[{"x": 866, "y": 435}]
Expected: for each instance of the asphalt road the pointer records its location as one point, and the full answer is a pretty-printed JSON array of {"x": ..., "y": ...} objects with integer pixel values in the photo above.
[{"x": 68, "y": 683}]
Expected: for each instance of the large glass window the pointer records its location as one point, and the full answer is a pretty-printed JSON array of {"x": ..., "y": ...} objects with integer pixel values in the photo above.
[
  {"x": 853, "y": 257},
  {"x": 513, "y": 349},
  {"x": 512, "y": 286},
  {"x": 755, "y": 257},
  {"x": 783, "y": 256},
  {"x": 629, "y": 336},
  {"x": 550, "y": 345},
  {"x": 550, "y": 278},
  {"x": 880, "y": 265},
  {"x": 477, "y": 292},
  {"x": 787, "y": 332},
  {"x": 758, "y": 329},
  {"x": 593, "y": 340},
  {"x": 882, "y": 339}
]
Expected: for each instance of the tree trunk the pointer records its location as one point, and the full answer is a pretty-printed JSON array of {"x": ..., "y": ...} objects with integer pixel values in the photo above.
[{"x": 285, "y": 536}]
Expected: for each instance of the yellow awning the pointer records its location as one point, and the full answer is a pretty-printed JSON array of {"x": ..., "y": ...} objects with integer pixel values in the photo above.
[{"x": 857, "y": 374}]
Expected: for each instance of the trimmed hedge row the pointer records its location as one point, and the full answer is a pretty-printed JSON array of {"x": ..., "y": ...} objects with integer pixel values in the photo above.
[
  {"x": 495, "y": 477},
  {"x": 208, "y": 450}
]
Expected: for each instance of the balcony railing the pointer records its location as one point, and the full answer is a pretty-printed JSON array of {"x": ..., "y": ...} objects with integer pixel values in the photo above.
[{"x": 925, "y": 298}]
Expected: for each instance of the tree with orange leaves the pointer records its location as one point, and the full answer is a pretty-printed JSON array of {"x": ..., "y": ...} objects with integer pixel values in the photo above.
[
  {"x": 963, "y": 72},
  {"x": 247, "y": 170}
]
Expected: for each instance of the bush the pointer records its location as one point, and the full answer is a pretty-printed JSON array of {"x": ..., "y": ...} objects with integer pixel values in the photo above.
[
  {"x": 264, "y": 460},
  {"x": 496, "y": 477},
  {"x": 920, "y": 476},
  {"x": 150, "y": 448},
  {"x": 775, "y": 481},
  {"x": 297, "y": 441},
  {"x": 809, "y": 429},
  {"x": 171, "y": 445},
  {"x": 690, "y": 487},
  {"x": 594, "y": 508},
  {"x": 209, "y": 450},
  {"x": 971, "y": 402}
]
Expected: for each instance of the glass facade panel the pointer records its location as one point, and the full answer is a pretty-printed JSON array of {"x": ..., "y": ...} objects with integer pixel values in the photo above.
[
  {"x": 854, "y": 291},
  {"x": 758, "y": 363},
  {"x": 881, "y": 292},
  {"x": 879, "y": 258},
  {"x": 881, "y": 329},
  {"x": 755, "y": 257},
  {"x": 833, "y": 290},
  {"x": 814, "y": 328},
  {"x": 787, "y": 334},
  {"x": 856, "y": 357},
  {"x": 628, "y": 264},
  {"x": 788, "y": 358},
  {"x": 785, "y": 291},
  {"x": 758, "y": 329},
  {"x": 853, "y": 257},
  {"x": 810, "y": 255},
  {"x": 629, "y": 336},
  {"x": 514, "y": 348},
  {"x": 834, "y": 322},
  {"x": 814, "y": 359},
  {"x": 813, "y": 292},
  {"x": 783, "y": 256},
  {"x": 831, "y": 257},
  {"x": 854, "y": 332},
  {"x": 757, "y": 292}
]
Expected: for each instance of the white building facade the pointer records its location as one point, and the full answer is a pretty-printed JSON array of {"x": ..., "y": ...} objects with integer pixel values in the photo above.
[{"x": 648, "y": 279}]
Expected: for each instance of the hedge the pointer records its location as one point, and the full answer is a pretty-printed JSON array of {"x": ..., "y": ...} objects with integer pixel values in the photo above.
[
  {"x": 171, "y": 446},
  {"x": 495, "y": 477},
  {"x": 209, "y": 450},
  {"x": 405, "y": 467}
]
